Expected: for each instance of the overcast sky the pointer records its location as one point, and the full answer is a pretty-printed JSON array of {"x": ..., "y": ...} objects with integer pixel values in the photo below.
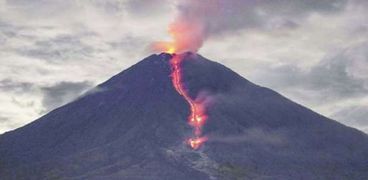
[{"x": 314, "y": 52}]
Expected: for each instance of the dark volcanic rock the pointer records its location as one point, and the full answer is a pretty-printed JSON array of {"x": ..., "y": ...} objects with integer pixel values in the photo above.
[{"x": 133, "y": 126}]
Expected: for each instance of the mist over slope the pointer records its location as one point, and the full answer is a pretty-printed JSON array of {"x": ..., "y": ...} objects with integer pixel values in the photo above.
[{"x": 133, "y": 126}]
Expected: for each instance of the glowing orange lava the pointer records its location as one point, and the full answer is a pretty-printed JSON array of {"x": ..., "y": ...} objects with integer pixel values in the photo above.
[
  {"x": 195, "y": 143},
  {"x": 197, "y": 117}
]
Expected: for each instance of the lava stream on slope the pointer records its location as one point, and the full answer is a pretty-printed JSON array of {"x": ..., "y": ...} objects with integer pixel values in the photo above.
[{"x": 198, "y": 116}]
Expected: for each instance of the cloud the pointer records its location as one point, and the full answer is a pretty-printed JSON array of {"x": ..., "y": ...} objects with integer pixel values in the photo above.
[
  {"x": 63, "y": 47},
  {"x": 17, "y": 87},
  {"x": 228, "y": 16},
  {"x": 353, "y": 116},
  {"x": 3, "y": 119},
  {"x": 18, "y": 101},
  {"x": 6, "y": 123},
  {"x": 51, "y": 51},
  {"x": 43, "y": 6},
  {"x": 341, "y": 74},
  {"x": 62, "y": 92},
  {"x": 147, "y": 8},
  {"x": 336, "y": 85},
  {"x": 33, "y": 100}
]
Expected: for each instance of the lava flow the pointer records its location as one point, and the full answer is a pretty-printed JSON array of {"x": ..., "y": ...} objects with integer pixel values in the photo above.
[{"x": 197, "y": 117}]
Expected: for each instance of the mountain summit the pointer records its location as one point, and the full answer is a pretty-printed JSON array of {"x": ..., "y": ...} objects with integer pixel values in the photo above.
[{"x": 134, "y": 126}]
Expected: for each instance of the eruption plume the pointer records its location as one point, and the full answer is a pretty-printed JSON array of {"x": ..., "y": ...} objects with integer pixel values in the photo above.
[{"x": 198, "y": 20}]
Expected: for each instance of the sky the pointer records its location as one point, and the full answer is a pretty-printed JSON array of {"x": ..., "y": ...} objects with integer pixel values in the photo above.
[{"x": 311, "y": 51}]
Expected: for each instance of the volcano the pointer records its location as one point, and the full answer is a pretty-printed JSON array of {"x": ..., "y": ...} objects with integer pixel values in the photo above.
[{"x": 134, "y": 126}]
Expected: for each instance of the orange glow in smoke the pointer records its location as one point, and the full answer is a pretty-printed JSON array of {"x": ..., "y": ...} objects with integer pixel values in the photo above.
[
  {"x": 167, "y": 47},
  {"x": 197, "y": 117},
  {"x": 185, "y": 36},
  {"x": 170, "y": 50}
]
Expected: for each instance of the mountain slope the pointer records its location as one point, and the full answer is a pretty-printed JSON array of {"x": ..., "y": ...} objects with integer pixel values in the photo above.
[{"x": 133, "y": 126}]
